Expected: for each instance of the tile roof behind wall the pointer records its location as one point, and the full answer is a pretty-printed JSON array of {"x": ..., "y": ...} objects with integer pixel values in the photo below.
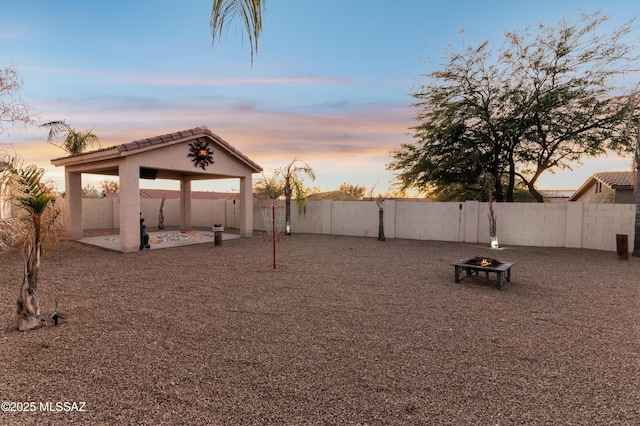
[{"x": 618, "y": 180}]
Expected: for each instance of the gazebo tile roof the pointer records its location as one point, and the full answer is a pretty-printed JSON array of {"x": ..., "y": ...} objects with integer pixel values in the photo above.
[
  {"x": 172, "y": 137},
  {"x": 110, "y": 148},
  {"x": 129, "y": 146}
]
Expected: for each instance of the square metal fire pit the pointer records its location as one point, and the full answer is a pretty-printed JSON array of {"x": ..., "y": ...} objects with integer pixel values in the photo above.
[{"x": 471, "y": 265}]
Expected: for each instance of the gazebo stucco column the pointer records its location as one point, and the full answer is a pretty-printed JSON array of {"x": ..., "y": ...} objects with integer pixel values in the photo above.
[
  {"x": 185, "y": 204},
  {"x": 129, "y": 172},
  {"x": 73, "y": 189},
  {"x": 246, "y": 206}
]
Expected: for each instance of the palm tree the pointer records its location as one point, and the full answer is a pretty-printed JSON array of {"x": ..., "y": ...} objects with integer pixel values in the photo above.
[
  {"x": 36, "y": 226},
  {"x": 250, "y": 13},
  {"x": 74, "y": 141},
  {"x": 293, "y": 182}
]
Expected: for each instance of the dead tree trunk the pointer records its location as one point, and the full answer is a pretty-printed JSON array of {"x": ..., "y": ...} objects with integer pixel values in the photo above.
[
  {"x": 287, "y": 206},
  {"x": 380, "y": 203},
  {"x": 381, "y": 225},
  {"x": 636, "y": 187},
  {"x": 161, "y": 215}
]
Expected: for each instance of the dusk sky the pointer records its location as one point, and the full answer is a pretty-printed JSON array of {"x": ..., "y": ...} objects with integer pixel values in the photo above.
[{"x": 330, "y": 85}]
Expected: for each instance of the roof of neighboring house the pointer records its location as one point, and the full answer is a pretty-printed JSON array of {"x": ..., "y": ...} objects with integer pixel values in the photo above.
[
  {"x": 614, "y": 180},
  {"x": 170, "y": 194},
  {"x": 556, "y": 195}
]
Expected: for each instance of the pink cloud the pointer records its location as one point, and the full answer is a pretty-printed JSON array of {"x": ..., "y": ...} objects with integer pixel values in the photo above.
[
  {"x": 128, "y": 77},
  {"x": 342, "y": 143}
]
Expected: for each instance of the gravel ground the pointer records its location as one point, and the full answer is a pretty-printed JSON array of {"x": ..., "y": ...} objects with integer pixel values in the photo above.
[{"x": 346, "y": 330}]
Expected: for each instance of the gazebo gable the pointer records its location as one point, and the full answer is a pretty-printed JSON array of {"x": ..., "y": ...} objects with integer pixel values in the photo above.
[
  {"x": 168, "y": 156},
  {"x": 196, "y": 158}
]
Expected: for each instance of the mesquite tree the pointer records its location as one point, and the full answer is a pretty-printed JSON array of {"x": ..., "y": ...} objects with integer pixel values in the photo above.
[{"x": 540, "y": 102}]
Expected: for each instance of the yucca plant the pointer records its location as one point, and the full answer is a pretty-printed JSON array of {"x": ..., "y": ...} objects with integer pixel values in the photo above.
[{"x": 35, "y": 227}]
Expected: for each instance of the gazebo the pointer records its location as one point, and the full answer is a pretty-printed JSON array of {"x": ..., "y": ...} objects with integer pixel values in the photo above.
[{"x": 194, "y": 154}]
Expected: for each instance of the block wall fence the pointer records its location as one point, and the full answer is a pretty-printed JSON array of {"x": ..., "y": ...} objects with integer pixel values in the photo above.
[{"x": 571, "y": 225}]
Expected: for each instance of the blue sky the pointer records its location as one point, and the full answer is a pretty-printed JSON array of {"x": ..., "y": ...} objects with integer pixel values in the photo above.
[{"x": 330, "y": 85}]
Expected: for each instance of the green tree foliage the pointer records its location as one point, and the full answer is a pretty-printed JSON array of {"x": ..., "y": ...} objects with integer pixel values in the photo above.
[
  {"x": 346, "y": 192},
  {"x": 73, "y": 141},
  {"x": 466, "y": 192},
  {"x": 540, "y": 102},
  {"x": 356, "y": 192},
  {"x": 269, "y": 188}
]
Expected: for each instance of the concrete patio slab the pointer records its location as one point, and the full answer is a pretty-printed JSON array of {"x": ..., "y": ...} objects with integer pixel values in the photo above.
[{"x": 159, "y": 239}]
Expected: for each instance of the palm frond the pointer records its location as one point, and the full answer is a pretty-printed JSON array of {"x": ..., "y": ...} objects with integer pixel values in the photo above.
[
  {"x": 249, "y": 12},
  {"x": 12, "y": 233},
  {"x": 74, "y": 141},
  {"x": 32, "y": 194},
  {"x": 57, "y": 128},
  {"x": 77, "y": 142}
]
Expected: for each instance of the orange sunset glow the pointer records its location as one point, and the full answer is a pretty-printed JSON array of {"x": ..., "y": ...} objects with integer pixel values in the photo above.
[{"x": 340, "y": 100}]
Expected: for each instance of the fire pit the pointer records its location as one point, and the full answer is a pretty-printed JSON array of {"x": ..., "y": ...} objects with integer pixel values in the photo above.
[{"x": 471, "y": 265}]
